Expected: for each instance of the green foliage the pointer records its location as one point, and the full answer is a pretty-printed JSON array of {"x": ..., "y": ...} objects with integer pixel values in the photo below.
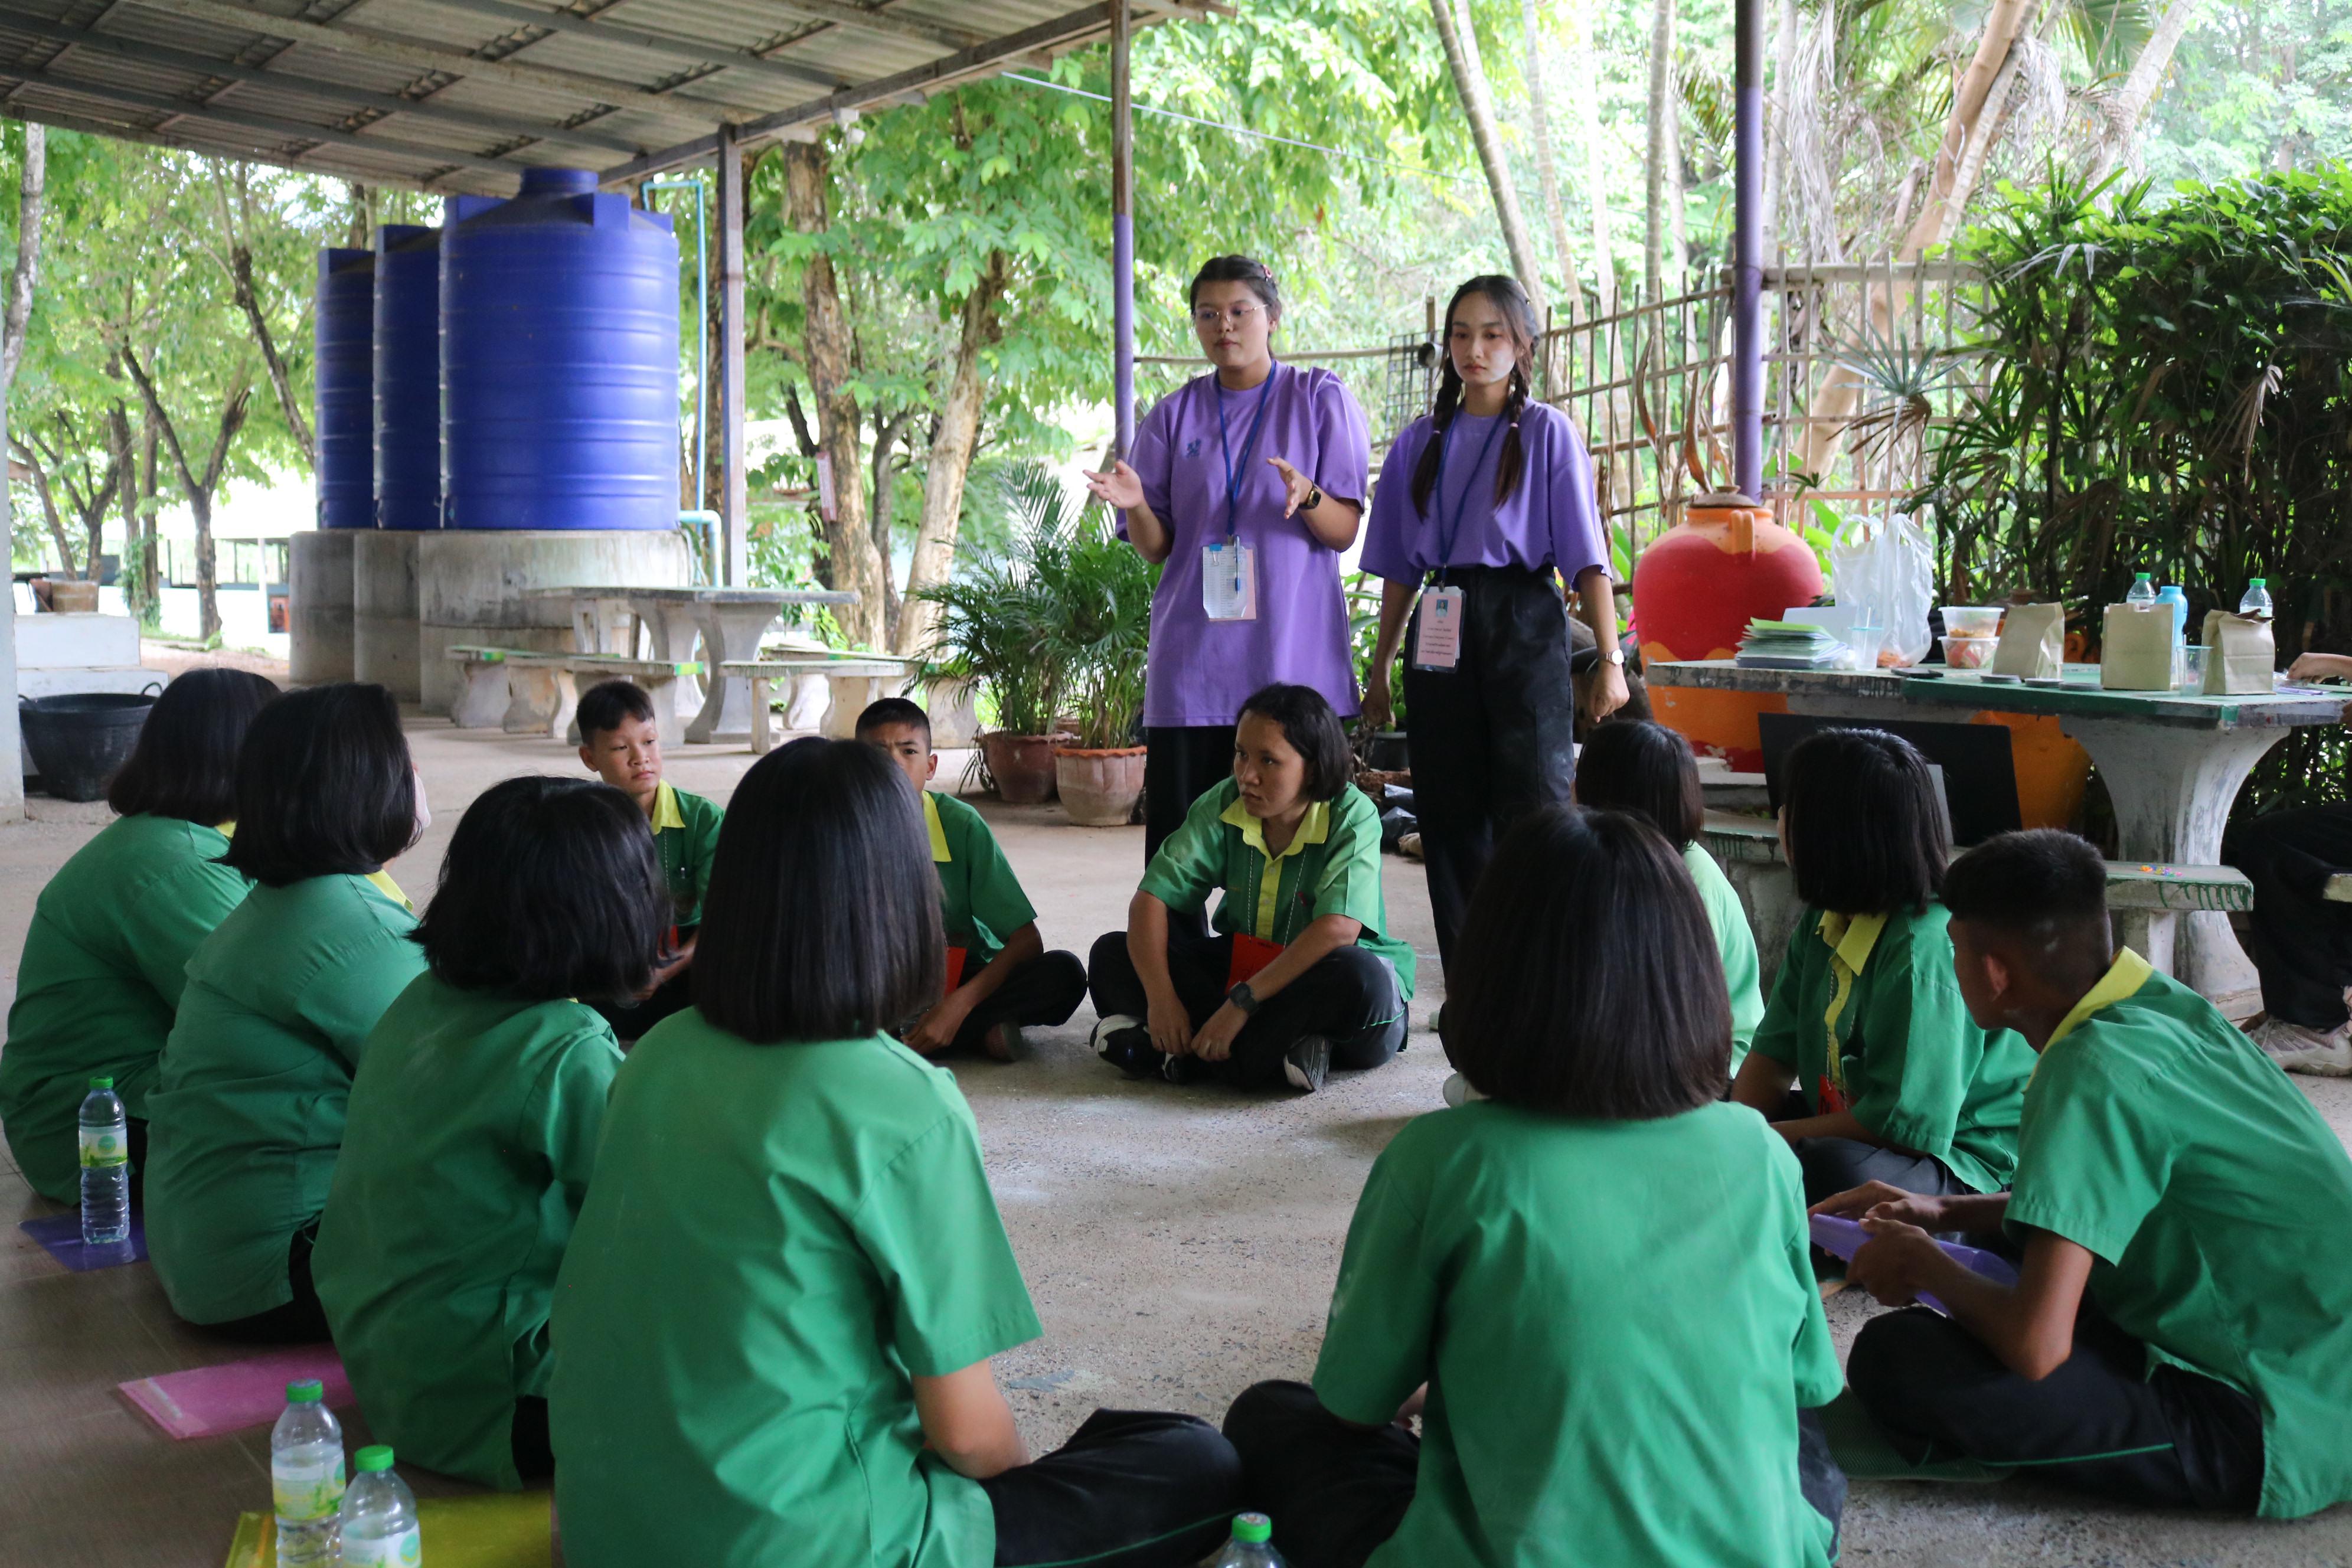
[{"x": 1099, "y": 592}]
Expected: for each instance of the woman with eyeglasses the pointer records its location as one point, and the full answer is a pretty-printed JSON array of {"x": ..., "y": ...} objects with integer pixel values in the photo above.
[{"x": 1248, "y": 482}]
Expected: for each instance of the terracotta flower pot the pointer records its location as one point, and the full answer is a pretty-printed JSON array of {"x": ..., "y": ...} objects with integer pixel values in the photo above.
[
  {"x": 1100, "y": 787},
  {"x": 1022, "y": 766}
]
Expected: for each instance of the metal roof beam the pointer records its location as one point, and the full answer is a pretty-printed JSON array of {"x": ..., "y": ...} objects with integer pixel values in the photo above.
[
  {"x": 258, "y": 152},
  {"x": 668, "y": 44},
  {"x": 268, "y": 76},
  {"x": 885, "y": 22}
]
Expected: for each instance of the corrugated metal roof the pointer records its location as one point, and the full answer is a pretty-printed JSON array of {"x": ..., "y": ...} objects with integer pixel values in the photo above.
[{"x": 460, "y": 95}]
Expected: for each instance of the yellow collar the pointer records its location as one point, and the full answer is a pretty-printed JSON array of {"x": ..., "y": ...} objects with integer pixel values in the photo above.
[
  {"x": 940, "y": 855},
  {"x": 379, "y": 879},
  {"x": 1313, "y": 828},
  {"x": 665, "y": 813},
  {"x": 1852, "y": 937},
  {"x": 2124, "y": 978}
]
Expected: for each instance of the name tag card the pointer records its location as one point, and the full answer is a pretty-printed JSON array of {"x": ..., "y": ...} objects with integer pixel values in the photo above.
[
  {"x": 1437, "y": 635},
  {"x": 1229, "y": 581}
]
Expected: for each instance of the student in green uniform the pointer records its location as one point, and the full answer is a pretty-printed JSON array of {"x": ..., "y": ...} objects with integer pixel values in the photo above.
[
  {"x": 1592, "y": 1284},
  {"x": 247, "y": 1107},
  {"x": 620, "y": 744},
  {"x": 473, "y": 1121},
  {"x": 1893, "y": 1082},
  {"x": 1302, "y": 974},
  {"x": 1000, "y": 976},
  {"x": 775, "y": 1318},
  {"x": 108, "y": 950},
  {"x": 2180, "y": 1332}
]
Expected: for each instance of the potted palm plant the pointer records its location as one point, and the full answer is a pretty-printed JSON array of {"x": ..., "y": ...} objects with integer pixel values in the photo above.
[{"x": 1101, "y": 593}]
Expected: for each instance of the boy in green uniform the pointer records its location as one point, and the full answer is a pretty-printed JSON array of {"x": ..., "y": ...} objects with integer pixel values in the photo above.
[
  {"x": 1302, "y": 974},
  {"x": 2181, "y": 1331},
  {"x": 1000, "y": 976},
  {"x": 620, "y": 744}
]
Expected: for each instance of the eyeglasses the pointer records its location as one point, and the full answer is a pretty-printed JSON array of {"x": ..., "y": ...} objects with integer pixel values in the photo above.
[{"x": 1209, "y": 316}]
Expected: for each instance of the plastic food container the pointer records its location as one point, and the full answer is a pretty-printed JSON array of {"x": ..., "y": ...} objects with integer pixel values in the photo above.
[
  {"x": 1963, "y": 621},
  {"x": 1969, "y": 653}
]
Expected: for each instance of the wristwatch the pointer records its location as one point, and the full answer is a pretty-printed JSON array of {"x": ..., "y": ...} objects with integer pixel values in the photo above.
[
  {"x": 1612, "y": 656},
  {"x": 1314, "y": 498},
  {"x": 1243, "y": 997}
]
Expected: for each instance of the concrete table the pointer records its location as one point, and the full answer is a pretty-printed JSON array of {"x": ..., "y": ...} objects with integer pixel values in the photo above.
[
  {"x": 2172, "y": 762},
  {"x": 729, "y": 621}
]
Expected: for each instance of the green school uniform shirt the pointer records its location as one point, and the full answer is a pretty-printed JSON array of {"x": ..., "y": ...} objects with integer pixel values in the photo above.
[
  {"x": 778, "y": 1239},
  {"x": 686, "y": 836},
  {"x": 105, "y": 960},
  {"x": 980, "y": 900},
  {"x": 1330, "y": 866},
  {"x": 1913, "y": 1065},
  {"x": 2217, "y": 1206},
  {"x": 247, "y": 1109},
  {"x": 1735, "y": 943},
  {"x": 1575, "y": 1415},
  {"x": 473, "y": 1126}
]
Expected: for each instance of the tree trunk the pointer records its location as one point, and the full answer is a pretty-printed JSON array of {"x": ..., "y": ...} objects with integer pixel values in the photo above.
[
  {"x": 50, "y": 512},
  {"x": 2147, "y": 73},
  {"x": 1997, "y": 102},
  {"x": 1662, "y": 188},
  {"x": 952, "y": 445},
  {"x": 1776, "y": 128},
  {"x": 32, "y": 199},
  {"x": 886, "y": 433},
  {"x": 146, "y": 595},
  {"x": 1461, "y": 44},
  {"x": 237, "y": 222},
  {"x": 825, "y": 355},
  {"x": 208, "y": 619},
  {"x": 198, "y": 488},
  {"x": 1946, "y": 195},
  {"x": 1546, "y": 171}
]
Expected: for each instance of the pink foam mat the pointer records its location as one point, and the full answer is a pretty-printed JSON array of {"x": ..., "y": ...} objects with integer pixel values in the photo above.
[{"x": 208, "y": 1399}]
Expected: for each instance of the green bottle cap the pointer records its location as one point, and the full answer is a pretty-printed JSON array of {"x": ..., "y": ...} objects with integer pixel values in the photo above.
[
  {"x": 375, "y": 1457},
  {"x": 306, "y": 1392},
  {"x": 2140, "y": 576},
  {"x": 2259, "y": 582},
  {"x": 1252, "y": 1528},
  {"x": 109, "y": 1083}
]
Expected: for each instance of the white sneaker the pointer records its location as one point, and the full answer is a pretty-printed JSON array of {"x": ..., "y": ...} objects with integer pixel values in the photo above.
[{"x": 2299, "y": 1049}]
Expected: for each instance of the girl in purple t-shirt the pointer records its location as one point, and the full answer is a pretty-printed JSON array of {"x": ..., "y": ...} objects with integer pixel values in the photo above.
[{"x": 1248, "y": 482}]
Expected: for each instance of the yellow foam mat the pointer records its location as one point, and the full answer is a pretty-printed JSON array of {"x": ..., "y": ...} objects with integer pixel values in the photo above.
[{"x": 500, "y": 1530}]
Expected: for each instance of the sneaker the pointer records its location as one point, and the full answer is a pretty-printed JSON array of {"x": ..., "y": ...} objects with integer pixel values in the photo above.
[
  {"x": 1002, "y": 1043},
  {"x": 1181, "y": 1070},
  {"x": 1308, "y": 1063},
  {"x": 2326, "y": 1054},
  {"x": 1125, "y": 1042}
]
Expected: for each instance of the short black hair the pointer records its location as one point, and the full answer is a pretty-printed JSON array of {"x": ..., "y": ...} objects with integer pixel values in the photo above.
[
  {"x": 184, "y": 764},
  {"x": 1314, "y": 732},
  {"x": 1239, "y": 269},
  {"x": 551, "y": 887},
  {"x": 608, "y": 703},
  {"x": 1586, "y": 981},
  {"x": 1865, "y": 828},
  {"x": 1629, "y": 764},
  {"x": 324, "y": 786},
  {"x": 822, "y": 920},
  {"x": 893, "y": 711},
  {"x": 2044, "y": 888}
]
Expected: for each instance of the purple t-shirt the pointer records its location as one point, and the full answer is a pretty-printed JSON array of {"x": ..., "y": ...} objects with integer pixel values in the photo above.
[
  {"x": 1202, "y": 670},
  {"x": 1550, "y": 519}
]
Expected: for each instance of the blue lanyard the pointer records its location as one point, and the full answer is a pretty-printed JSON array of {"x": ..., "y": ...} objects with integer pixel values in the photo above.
[
  {"x": 1232, "y": 480},
  {"x": 1446, "y": 536}
]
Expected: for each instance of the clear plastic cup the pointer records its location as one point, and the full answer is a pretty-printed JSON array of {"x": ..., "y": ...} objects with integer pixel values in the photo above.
[
  {"x": 1972, "y": 621},
  {"x": 1969, "y": 652}
]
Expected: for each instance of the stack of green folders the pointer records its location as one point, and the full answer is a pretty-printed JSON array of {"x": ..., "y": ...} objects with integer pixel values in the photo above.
[{"x": 1786, "y": 645}]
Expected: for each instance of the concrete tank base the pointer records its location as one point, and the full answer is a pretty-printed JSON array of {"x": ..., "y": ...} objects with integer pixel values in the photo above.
[
  {"x": 473, "y": 588},
  {"x": 319, "y": 605},
  {"x": 384, "y": 611}
]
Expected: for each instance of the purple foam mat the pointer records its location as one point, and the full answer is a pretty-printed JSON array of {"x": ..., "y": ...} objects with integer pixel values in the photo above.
[{"x": 61, "y": 1237}]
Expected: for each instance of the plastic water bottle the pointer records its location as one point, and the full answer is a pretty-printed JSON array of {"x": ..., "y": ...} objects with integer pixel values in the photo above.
[
  {"x": 105, "y": 1167},
  {"x": 379, "y": 1516},
  {"x": 2172, "y": 594},
  {"x": 306, "y": 1476},
  {"x": 2257, "y": 602},
  {"x": 2143, "y": 590},
  {"x": 1251, "y": 1546}
]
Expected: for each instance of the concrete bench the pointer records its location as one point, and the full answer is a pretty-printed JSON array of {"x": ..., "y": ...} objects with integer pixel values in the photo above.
[
  {"x": 856, "y": 679},
  {"x": 483, "y": 695},
  {"x": 552, "y": 702}
]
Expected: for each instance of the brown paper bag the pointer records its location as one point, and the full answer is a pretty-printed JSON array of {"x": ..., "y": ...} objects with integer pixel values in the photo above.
[
  {"x": 2136, "y": 649},
  {"x": 2240, "y": 655},
  {"x": 2032, "y": 642}
]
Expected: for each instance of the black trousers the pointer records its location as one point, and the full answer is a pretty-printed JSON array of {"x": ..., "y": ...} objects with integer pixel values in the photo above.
[
  {"x": 1834, "y": 1165},
  {"x": 299, "y": 1322},
  {"x": 2101, "y": 1421},
  {"x": 1349, "y": 996},
  {"x": 534, "y": 1454},
  {"x": 1494, "y": 737},
  {"x": 2303, "y": 944},
  {"x": 1045, "y": 992},
  {"x": 1336, "y": 1492},
  {"x": 1131, "y": 1488},
  {"x": 1181, "y": 764}
]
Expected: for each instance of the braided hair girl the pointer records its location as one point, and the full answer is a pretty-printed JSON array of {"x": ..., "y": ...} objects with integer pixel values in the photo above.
[{"x": 1519, "y": 320}]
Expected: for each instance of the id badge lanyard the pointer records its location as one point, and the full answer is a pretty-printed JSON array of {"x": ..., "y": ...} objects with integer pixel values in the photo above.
[
  {"x": 1229, "y": 568},
  {"x": 1437, "y": 635}
]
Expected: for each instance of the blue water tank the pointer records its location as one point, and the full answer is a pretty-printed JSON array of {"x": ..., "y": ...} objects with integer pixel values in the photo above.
[
  {"x": 343, "y": 318},
  {"x": 407, "y": 376},
  {"x": 559, "y": 360}
]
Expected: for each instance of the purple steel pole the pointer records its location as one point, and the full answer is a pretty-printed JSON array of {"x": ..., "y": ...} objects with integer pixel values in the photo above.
[
  {"x": 1123, "y": 229},
  {"x": 1747, "y": 250}
]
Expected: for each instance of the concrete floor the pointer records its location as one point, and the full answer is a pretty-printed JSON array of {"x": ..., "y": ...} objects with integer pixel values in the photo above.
[{"x": 1180, "y": 1244}]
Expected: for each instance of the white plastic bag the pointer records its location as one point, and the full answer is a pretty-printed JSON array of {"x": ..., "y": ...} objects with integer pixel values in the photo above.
[{"x": 1885, "y": 566}]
